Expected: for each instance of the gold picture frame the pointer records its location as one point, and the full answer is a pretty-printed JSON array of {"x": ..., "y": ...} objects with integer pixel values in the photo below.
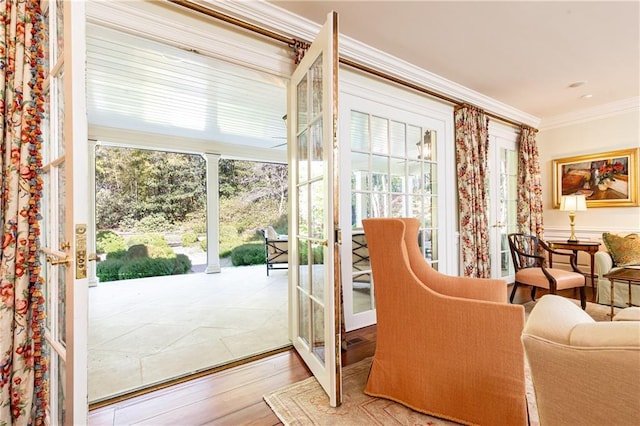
[{"x": 607, "y": 179}]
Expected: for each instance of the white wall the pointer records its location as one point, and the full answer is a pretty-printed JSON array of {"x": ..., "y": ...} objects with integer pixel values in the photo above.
[{"x": 600, "y": 135}]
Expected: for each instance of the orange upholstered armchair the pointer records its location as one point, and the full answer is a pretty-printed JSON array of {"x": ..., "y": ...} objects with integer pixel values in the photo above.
[{"x": 446, "y": 346}]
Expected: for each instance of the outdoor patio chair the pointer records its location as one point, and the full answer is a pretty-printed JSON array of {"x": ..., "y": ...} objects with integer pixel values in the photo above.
[
  {"x": 360, "y": 259},
  {"x": 276, "y": 249}
]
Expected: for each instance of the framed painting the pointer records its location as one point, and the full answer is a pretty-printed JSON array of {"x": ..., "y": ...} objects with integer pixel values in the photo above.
[{"x": 607, "y": 179}]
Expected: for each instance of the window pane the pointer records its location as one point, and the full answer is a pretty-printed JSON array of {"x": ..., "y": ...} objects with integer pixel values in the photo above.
[
  {"x": 360, "y": 208},
  {"x": 318, "y": 332},
  {"x": 359, "y": 131},
  {"x": 398, "y": 206},
  {"x": 379, "y": 135},
  {"x": 303, "y": 211},
  {"x": 60, "y": 112},
  {"x": 304, "y": 317},
  {"x": 398, "y": 175},
  {"x": 318, "y": 271},
  {"x": 317, "y": 209},
  {"x": 316, "y": 77},
  {"x": 302, "y": 92},
  {"x": 379, "y": 205},
  {"x": 317, "y": 152},
  {"x": 303, "y": 157},
  {"x": 397, "y": 139},
  {"x": 414, "y": 139},
  {"x": 360, "y": 178},
  {"x": 304, "y": 267},
  {"x": 62, "y": 305},
  {"x": 380, "y": 175}
]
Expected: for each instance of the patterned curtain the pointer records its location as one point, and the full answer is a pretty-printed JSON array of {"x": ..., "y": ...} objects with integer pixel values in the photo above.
[
  {"x": 472, "y": 150},
  {"x": 529, "y": 185},
  {"x": 23, "y": 384}
]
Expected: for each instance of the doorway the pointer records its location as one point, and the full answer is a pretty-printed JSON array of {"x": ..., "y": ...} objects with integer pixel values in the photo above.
[{"x": 144, "y": 332}]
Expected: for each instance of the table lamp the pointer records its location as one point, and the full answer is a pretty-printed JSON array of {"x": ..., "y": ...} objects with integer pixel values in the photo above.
[{"x": 573, "y": 204}]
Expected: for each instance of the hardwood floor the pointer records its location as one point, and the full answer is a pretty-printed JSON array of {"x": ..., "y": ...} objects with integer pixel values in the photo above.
[{"x": 234, "y": 396}]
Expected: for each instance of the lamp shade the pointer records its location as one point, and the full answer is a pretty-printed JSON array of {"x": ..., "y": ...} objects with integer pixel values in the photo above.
[{"x": 573, "y": 203}]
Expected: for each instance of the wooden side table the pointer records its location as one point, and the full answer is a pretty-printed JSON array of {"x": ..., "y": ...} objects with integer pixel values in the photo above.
[
  {"x": 590, "y": 247},
  {"x": 630, "y": 275}
]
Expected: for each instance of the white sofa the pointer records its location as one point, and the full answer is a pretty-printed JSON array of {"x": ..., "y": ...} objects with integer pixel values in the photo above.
[{"x": 604, "y": 265}]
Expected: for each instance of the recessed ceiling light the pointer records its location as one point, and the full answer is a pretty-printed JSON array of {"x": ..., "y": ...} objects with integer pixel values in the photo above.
[
  {"x": 577, "y": 84},
  {"x": 586, "y": 96}
]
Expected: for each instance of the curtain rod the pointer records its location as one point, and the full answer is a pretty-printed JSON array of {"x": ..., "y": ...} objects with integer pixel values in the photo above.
[{"x": 293, "y": 42}]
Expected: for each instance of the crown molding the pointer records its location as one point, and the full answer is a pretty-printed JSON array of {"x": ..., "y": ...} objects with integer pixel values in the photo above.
[
  {"x": 589, "y": 114},
  {"x": 271, "y": 17}
]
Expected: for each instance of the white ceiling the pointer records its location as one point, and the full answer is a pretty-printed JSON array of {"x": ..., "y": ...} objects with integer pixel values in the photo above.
[
  {"x": 522, "y": 53},
  {"x": 141, "y": 85}
]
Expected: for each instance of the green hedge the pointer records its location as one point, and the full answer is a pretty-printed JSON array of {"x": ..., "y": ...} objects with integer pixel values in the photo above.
[
  {"x": 107, "y": 270},
  {"x": 136, "y": 263},
  {"x": 248, "y": 254}
]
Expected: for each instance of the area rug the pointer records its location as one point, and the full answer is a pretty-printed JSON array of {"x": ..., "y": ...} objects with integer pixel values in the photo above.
[{"x": 305, "y": 403}]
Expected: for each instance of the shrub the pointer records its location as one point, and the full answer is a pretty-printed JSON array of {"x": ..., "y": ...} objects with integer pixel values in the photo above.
[
  {"x": 189, "y": 239},
  {"x": 248, "y": 254},
  {"x": 155, "y": 240},
  {"x": 182, "y": 264},
  {"x": 156, "y": 222},
  {"x": 120, "y": 254},
  {"x": 107, "y": 270},
  {"x": 229, "y": 239},
  {"x": 137, "y": 250},
  {"x": 146, "y": 267},
  {"x": 108, "y": 242}
]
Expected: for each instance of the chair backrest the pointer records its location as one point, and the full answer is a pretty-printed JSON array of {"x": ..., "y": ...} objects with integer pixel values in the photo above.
[
  {"x": 522, "y": 246},
  {"x": 270, "y": 233}
]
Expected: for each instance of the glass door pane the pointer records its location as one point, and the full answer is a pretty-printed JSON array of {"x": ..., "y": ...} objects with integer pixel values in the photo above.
[
  {"x": 65, "y": 341},
  {"x": 313, "y": 284},
  {"x": 502, "y": 199},
  {"x": 393, "y": 173}
]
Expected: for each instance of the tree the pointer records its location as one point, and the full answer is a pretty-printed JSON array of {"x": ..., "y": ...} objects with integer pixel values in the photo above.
[
  {"x": 136, "y": 186},
  {"x": 132, "y": 184}
]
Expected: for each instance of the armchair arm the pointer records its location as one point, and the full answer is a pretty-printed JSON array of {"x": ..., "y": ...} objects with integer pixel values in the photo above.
[
  {"x": 487, "y": 289},
  {"x": 554, "y": 318},
  {"x": 604, "y": 263}
]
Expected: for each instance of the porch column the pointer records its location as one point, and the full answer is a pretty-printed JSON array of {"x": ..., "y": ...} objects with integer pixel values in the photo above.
[{"x": 213, "y": 214}]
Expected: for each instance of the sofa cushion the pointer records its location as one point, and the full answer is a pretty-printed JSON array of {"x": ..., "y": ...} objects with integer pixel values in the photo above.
[{"x": 625, "y": 250}]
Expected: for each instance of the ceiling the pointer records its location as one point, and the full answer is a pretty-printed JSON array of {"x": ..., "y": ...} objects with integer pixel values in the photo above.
[
  {"x": 142, "y": 85},
  {"x": 525, "y": 54}
]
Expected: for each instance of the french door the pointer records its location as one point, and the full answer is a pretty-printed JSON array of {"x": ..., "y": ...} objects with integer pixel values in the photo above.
[
  {"x": 502, "y": 198},
  {"x": 314, "y": 246},
  {"x": 65, "y": 213}
]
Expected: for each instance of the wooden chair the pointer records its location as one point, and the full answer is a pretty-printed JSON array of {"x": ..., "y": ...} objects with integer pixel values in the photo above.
[
  {"x": 528, "y": 254},
  {"x": 447, "y": 346}
]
